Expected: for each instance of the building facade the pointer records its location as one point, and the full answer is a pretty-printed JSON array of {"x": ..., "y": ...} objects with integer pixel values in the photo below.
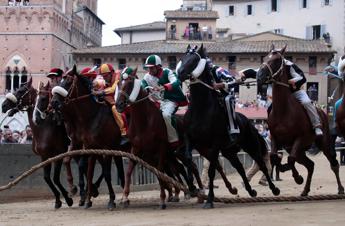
[
  {"x": 37, "y": 35},
  {"x": 306, "y": 19}
]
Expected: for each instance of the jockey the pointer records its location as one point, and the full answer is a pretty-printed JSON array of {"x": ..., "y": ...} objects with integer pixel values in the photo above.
[
  {"x": 111, "y": 79},
  {"x": 164, "y": 79},
  {"x": 55, "y": 76},
  {"x": 296, "y": 80},
  {"x": 90, "y": 73},
  {"x": 341, "y": 73},
  {"x": 228, "y": 81}
]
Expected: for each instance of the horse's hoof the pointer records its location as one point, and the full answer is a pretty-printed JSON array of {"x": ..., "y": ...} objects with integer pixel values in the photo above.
[
  {"x": 58, "y": 204},
  {"x": 173, "y": 199},
  {"x": 94, "y": 191},
  {"x": 111, "y": 205},
  {"x": 304, "y": 193},
  {"x": 208, "y": 205},
  {"x": 340, "y": 191},
  {"x": 81, "y": 202},
  {"x": 69, "y": 202},
  {"x": 163, "y": 206},
  {"x": 299, "y": 179},
  {"x": 233, "y": 190},
  {"x": 73, "y": 190},
  {"x": 276, "y": 191},
  {"x": 253, "y": 193},
  {"x": 88, "y": 205},
  {"x": 125, "y": 204}
]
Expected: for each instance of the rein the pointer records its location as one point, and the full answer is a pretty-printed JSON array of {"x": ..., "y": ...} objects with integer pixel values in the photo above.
[{"x": 279, "y": 71}]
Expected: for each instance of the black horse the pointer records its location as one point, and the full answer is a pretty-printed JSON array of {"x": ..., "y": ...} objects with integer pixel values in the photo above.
[{"x": 207, "y": 124}]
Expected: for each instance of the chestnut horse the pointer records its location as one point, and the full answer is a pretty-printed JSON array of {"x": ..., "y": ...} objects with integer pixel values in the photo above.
[
  {"x": 90, "y": 122},
  {"x": 206, "y": 122},
  {"x": 289, "y": 123},
  {"x": 147, "y": 133},
  {"x": 42, "y": 113},
  {"x": 49, "y": 139}
]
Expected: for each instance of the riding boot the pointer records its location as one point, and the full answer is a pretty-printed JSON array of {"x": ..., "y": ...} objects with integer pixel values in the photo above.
[
  {"x": 121, "y": 124},
  {"x": 314, "y": 118}
]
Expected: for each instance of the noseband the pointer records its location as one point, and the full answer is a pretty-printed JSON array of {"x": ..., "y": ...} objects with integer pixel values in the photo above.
[
  {"x": 19, "y": 104},
  {"x": 272, "y": 74}
]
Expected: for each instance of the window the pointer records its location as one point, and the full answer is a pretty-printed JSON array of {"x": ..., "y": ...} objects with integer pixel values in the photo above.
[
  {"x": 232, "y": 62},
  {"x": 249, "y": 10},
  {"x": 327, "y": 2},
  {"x": 8, "y": 79},
  {"x": 274, "y": 5},
  {"x": 313, "y": 91},
  {"x": 304, "y": 4},
  {"x": 278, "y": 31},
  {"x": 172, "y": 61},
  {"x": 24, "y": 76},
  {"x": 315, "y": 32},
  {"x": 15, "y": 78},
  {"x": 97, "y": 62},
  {"x": 122, "y": 63},
  {"x": 312, "y": 65},
  {"x": 231, "y": 10}
]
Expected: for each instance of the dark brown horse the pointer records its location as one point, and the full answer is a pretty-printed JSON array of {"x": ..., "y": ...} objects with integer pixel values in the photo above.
[
  {"x": 49, "y": 139},
  {"x": 340, "y": 110},
  {"x": 289, "y": 123},
  {"x": 90, "y": 122},
  {"x": 42, "y": 113},
  {"x": 147, "y": 133}
]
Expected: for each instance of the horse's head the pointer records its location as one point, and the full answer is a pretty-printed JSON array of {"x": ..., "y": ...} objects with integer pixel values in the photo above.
[
  {"x": 128, "y": 91},
  {"x": 192, "y": 64},
  {"x": 20, "y": 100},
  {"x": 42, "y": 103},
  {"x": 272, "y": 66},
  {"x": 70, "y": 87}
]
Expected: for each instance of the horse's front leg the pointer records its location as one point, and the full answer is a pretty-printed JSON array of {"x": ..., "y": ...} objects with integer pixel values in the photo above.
[
  {"x": 296, "y": 148},
  {"x": 90, "y": 171},
  {"x": 126, "y": 190}
]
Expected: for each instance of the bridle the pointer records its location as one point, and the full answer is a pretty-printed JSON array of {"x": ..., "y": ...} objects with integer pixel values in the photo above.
[
  {"x": 272, "y": 74},
  {"x": 19, "y": 104},
  {"x": 132, "y": 99},
  {"x": 43, "y": 113}
]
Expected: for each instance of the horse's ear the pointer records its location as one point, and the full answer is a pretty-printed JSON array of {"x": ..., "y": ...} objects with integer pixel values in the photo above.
[
  {"x": 74, "y": 69},
  {"x": 282, "y": 51},
  {"x": 202, "y": 51},
  {"x": 41, "y": 85},
  {"x": 195, "y": 48},
  {"x": 272, "y": 47},
  {"x": 188, "y": 48}
]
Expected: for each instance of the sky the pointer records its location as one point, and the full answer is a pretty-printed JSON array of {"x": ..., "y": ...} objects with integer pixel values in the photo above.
[{"x": 123, "y": 13}]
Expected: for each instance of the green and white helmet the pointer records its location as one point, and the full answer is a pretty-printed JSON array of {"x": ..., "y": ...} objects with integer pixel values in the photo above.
[{"x": 153, "y": 60}]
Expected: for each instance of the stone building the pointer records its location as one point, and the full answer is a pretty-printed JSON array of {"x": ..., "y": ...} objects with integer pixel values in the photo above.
[{"x": 37, "y": 35}]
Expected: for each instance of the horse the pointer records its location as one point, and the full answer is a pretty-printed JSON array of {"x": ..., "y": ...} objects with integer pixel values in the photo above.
[
  {"x": 92, "y": 123},
  {"x": 340, "y": 109},
  {"x": 289, "y": 123},
  {"x": 206, "y": 122},
  {"x": 148, "y": 136},
  {"x": 41, "y": 113},
  {"x": 49, "y": 139}
]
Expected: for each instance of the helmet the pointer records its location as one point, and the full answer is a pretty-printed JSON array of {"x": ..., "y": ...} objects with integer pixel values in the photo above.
[
  {"x": 153, "y": 60},
  {"x": 106, "y": 68},
  {"x": 98, "y": 83},
  {"x": 89, "y": 72},
  {"x": 126, "y": 72},
  {"x": 55, "y": 72}
]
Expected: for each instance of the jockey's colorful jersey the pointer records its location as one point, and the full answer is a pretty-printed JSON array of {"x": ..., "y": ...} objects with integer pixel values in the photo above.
[
  {"x": 168, "y": 80},
  {"x": 224, "y": 75}
]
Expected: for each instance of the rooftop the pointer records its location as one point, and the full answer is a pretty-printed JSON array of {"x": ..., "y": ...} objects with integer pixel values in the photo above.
[{"x": 181, "y": 14}]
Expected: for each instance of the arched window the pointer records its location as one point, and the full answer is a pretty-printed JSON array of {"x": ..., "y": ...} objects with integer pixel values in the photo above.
[
  {"x": 15, "y": 78},
  {"x": 24, "y": 75},
  {"x": 8, "y": 79}
]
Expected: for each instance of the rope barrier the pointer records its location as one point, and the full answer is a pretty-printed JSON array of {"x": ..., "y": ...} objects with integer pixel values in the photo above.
[{"x": 158, "y": 173}]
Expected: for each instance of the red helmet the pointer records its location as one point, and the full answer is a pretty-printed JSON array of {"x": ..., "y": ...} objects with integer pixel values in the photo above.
[
  {"x": 55, "y": 72},
  {"x": 106, "y": 68},
  {"x": 89, "y": 72}
]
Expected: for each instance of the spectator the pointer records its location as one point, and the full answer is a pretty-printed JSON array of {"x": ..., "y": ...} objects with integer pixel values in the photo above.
[
  {"x": 186, "y": 33},
  {"x": 7, "y": 135},
  {"x": 26, "y": 2},
  {"x": 16, "y": 136},
  {"x": 204, "y": 32},
  {"x": 26, "y": 136},
  {"x": 1, "y": 134},
  {"x": 209, "y": 32}
]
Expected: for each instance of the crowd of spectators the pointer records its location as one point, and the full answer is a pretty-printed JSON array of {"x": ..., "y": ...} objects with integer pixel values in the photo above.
[{"x": 8, "y": 136}]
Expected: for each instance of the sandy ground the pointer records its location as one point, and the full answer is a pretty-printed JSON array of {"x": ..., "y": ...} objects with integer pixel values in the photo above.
[{"x": 144, "y": 209}]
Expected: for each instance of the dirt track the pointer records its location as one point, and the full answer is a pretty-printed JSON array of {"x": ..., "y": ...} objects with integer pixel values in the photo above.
[{"x": 144, "y": 207}]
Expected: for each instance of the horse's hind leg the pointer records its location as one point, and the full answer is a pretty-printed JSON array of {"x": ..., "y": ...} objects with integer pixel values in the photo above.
[
  {"x": 57, "y": 171},
  {"x": 232, "y": 190},
  {"x": 309, "y": 165},
  {"x": 47, "y": 170},
  {"x": 106, "y": 169},
  {"x": 72, "y": 188},
  {"x": 211, "y": 175},
  {"x": 120, "y": 170},
  {"x": 126, "y": 190},
  {"x": 90, "y": 171},
  {"x": 82, "y": 168},
  {"x": 236, "y": 163},
  {"x": 332, "y": 158}
]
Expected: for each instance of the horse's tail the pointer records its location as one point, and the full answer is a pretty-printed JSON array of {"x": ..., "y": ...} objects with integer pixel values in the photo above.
[{"x": 253, "y": 140}]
